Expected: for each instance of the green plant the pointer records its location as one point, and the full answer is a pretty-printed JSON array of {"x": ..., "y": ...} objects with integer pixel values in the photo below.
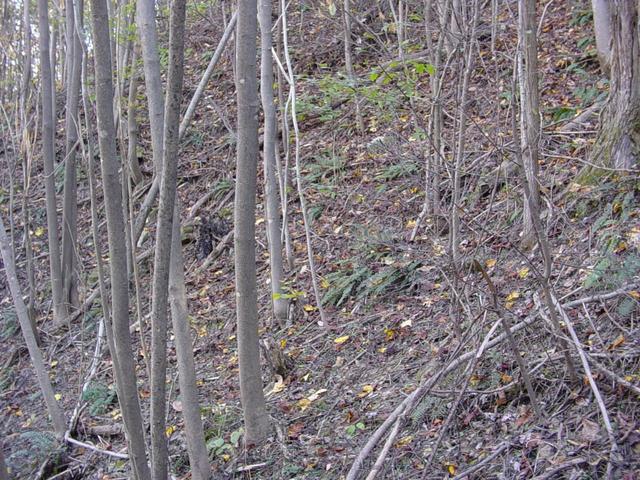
[
  {"x": 9, "y": 323},
  {"x": 99, "y": 397},
  {"x": 354, "y": 429},
  {"x": 395, "y": 171}
]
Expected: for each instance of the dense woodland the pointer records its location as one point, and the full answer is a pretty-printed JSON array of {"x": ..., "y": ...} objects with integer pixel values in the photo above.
[{"x": 320, "y": 239}]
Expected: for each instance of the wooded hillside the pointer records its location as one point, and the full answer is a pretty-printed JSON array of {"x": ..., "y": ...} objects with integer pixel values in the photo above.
[{"x": 320, "y": 239}]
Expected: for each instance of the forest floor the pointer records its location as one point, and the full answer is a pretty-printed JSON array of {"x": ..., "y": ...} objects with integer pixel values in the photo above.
[{"x": 394, "y": 322}]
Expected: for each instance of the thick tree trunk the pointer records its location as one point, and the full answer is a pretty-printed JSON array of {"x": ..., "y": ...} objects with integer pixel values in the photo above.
[
  {"x": 618, "y": 143},
  {"x": 48, "y": 154},
  {"x": 161, "y": 263},
  {"x": 128, "y": 392},
  {"x": 256, "y": 420}
]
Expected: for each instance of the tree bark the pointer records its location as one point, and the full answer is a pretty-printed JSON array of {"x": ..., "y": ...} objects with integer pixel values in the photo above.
[
  {"x": 163, "y": 240},
  {"x": 280, "y": 304},
  {"x": 146, "y": 21},
  {"x": 256, "y": 420},
  {"x": 618, "y": 143},
  {"x": 48, "y": 154},
  {"x": 128, "y": 397},
  {"x": 70, "y": 199},
  {"x": 602, "y": 30},
  {"x": 529, "y": 113},
  {"x": 57, "y": 417},
  {"x": 196, "y": 446}
]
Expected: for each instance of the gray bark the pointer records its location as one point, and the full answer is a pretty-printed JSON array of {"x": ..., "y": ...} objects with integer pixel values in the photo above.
[
  {"x": 618, "y": 143},
  {"x": 48, "y": 155},
  {"x": 529, "y": 113},
  {"x": 256, "y": 420},
  {"x": 196, "y": 447},
  {"x": 57, "y": 417},
  {"x": 70, "y": 198},
  {"x": 116, "y": 234},
  {"x": 280, "y": 304},
  {"x": 602, "y": 29},
  {"x": 163, "y": 240},
  {"x": 146, "y": 21}
]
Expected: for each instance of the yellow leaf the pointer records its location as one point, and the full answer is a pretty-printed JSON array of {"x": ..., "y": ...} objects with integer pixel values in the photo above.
[
  {"x": 324, "y": 283},
  {"x": 382, "y": 349},
  {"x": 341, "y": 340},
  {"x": 512, "y": 296},
  {"x": 404, "y": 441},
  {"x": 411, "y": 224},
  {"x": 304, "y": 403},
  {"x": 523, "y": 272},
  {"x": 451, "y": 468},
  {"x": 169, "y": 431},
  {"x": 283, "y": 343},
  {"x": 58, "y": 397},
  {"x": 202, "y": 331},
  {"x": 474, "y": 380},
  {"x": 39, "y": 232},
  {"x": 635, "y": 294},
  {"x": 366, "y": 390},
  {"x": 491, "y": 262},
  {"x": 226, "y": 457},
  {"x": 622, "y": 246},
  {"x": 506, "y": 378},
  {"x": 309, "y": 308},
  {"x": 54, "y": 363},
  {"x": 389, "y": 334},
  {"x": 278, "y": 387},
  {"x": 305, "y": 378}
]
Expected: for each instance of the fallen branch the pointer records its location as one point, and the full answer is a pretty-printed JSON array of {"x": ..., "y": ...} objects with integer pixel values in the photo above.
[{"x": 501, "y": 448}]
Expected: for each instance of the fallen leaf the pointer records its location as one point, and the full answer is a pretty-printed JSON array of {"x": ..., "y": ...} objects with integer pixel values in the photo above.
[
  {"x": 309, "y": 308},
  {"x": 404, "y": 441},
  {"x": 39, "y": 232},
  {"x": 295, "y": 430},
  {"x": 617, "y": 342},
  {"x": 169, "y": 430},
  {"x": 590, "y": 431},
  {"x": 314, "y": 396},
  {"x": 58, "y": 397},
  {"x": 177, "y": 405},
  {"x": 523, "y": 272},
  {"x": 366, "y": 390},
  {"x": 406, "y": 323},
  {"x": 304, "y": 403},
  {"x": 491, "y": 262},
  {"x": 279, "y": 386},
  {"x": 341, "y": 340}
]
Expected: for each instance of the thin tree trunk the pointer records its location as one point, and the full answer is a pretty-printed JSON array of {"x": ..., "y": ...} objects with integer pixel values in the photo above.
[
  {"x": 115, "y": 226},
  {"x": 57, "y": 417},
  {"x": 70, "y": 199},
  {"x": 132, "y": 123},
  {"x": 196, "y": 447},
  {"x": 530, "y": 112},
  {"x": 348, "y": 60},
  {"x": 161, "y": 265},
  {"x": 256, "y": 420},
  {"x": 602, "y": 30},
  {"x": 48, "y": 155},
  {"x": 146, "y": 21},
  {"x": 280, "y": 304}
]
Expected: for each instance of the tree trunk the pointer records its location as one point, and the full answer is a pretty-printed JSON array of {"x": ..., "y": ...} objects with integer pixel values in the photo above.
[
  {"x": 128, "y": 397},
  {"x": 618, "y": 143},
  {"x": 196, "y": 446},
  {"x": 55, "y": 413},
  {"x": 280, "y": 304},
  {"x": 146, "y": 21},
  {"x": 602, "y": 28},
  {"x": 161, "y": 263},
  {"x": 48, "y": 154},
  {"x": 70, "y": 201},
  {"x": 529, "y": 113},
  {"x": 256, "y": 420}
]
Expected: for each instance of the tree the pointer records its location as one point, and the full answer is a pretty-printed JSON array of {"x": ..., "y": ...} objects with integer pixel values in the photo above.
[
  {"x": 128, "y": 391},
  {"x": 48, "y": 154},
  {"x": 618, "y": 143},
  {"x": 272, "y": 202},
  {"x": 256, "y": 420},
  {"x": 529, "y": 113},
  {"x": 602, "y": 27},
  {"x": 70, "y": 200},
  {"x": 57, "y": 417},
  {"x": 161, "y": 263}
]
